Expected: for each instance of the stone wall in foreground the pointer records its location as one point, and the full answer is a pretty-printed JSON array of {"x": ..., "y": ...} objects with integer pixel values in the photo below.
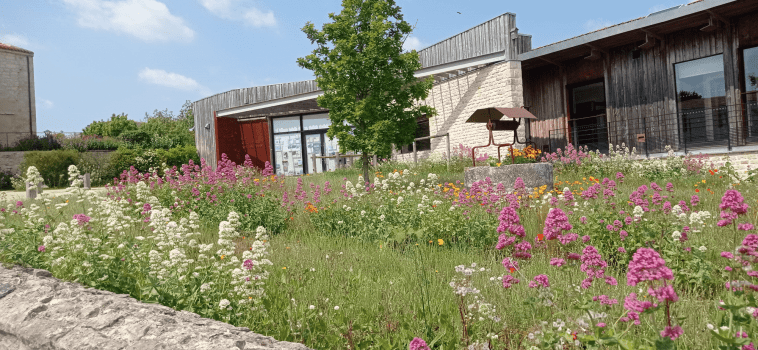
[{"x": 42, "y": 312}]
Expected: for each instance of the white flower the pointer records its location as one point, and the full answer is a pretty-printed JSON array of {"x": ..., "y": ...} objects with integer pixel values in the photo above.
[
  {"x": 676, "y": 235},
  {"x": 363, "y": 213},
  {"x": 724, "y": 328},
  {"x": 311, "y": 307},
  {"x": 382, "y": 217},
  {"x": 336, "y": 308},
  {"x": 702, "y": 248},
  {"x": 223, "y": 304},
  {"x": 710, "y": 326}
]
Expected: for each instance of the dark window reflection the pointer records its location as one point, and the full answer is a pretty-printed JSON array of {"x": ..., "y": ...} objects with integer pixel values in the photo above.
[{"x": 701, "y": 100}]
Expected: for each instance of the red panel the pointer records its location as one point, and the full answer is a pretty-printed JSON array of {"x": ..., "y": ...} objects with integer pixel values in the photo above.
[
  {"x": 255, "y": 141},
  {"x": 237, "y": 139}
]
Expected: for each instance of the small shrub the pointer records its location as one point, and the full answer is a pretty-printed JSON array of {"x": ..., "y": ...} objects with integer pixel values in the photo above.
[
  {"x": 36, "y": 143},
  {"x": 179, "y": 155},
  {"x": 52, "y": 165},
  {"x": 5, "y": 180}
]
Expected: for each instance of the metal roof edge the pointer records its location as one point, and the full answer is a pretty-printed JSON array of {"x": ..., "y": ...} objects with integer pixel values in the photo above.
[
  {"x": 250, "y": 87},
  {"x": 689, "y": 9}
]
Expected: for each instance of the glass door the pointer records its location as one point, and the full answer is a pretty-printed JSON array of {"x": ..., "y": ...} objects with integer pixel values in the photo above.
[
  {"x": 751, "y": 91},
  {"x": 331, "y": 147},
  {"x": 587, "y": 118},
  {"x": 313, "y": 148}
]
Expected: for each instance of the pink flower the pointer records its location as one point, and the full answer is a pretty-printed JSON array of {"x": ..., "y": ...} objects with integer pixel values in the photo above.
[
  {"x": 727, "y": 255},
  {"x": 632, "y": 304},
  {"x": 540, "y": 280},
  {"x": 672, "y": 332},
  {"x": 41, "y": 248},
  {"x": 585, "y": 238},
  {"x": 82, "y": 219},
  {"x": 504, "y": 241},
  {"x": 605, "y": 300},
  {"x": 510, "y": 265},
  {"x": 601, "y": 325},
  {"x": 248, "y": 264},
  {"x": 418, "y": 344},
  {"x": 19, "y": 204},
  {"x": 665, "y": 293},
  {"x": 555, "y": 223},
  {"x": 622, "y": 250},
  {"x": 647, "y": 265},
  {"x": 745, "y": 227},
  {"x": 509, "y": 281},
  {"x": 557, "y": 262}
]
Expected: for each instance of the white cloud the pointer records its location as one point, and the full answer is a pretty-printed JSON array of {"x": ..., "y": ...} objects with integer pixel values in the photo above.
[
  {"x": 172, "y": 80},
  {"x": 15, "y": 40},
  {"x": 413, "y": 43},
  {"x": 148, "y": 20},
  {"x": 595, "y": 24},
  {"x": 257, "y": 18},
  {"x": 236, "y": 11},
  {"x": 45, "y": 103}
]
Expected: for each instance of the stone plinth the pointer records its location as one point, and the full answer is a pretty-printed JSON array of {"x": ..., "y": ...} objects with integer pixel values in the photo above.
[
  {"x": 41, "y": 312},
  {"x": 533, "y": 174}
]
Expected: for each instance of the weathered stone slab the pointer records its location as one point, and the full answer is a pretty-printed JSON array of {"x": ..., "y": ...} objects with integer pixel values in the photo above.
[
  {"x": 42, "y": 312},
  {"x": 533, "y": 174}
]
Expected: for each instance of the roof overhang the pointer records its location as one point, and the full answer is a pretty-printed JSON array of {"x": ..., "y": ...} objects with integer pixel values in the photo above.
[
  {"x": 636, "y": 25},
  {"x": 245, "y": 110},
  {"x": 455, "y": 67}
]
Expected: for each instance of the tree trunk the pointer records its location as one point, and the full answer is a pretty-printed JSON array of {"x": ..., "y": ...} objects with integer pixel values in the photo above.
[{"x": 365, "y": 169}]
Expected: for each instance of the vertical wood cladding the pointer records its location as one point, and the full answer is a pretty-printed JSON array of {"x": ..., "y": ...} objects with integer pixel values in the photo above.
[{"x": 640, "y": 84}]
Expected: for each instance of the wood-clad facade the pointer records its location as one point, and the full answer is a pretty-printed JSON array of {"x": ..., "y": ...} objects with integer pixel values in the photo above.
[{"x": 639, "y": 79}]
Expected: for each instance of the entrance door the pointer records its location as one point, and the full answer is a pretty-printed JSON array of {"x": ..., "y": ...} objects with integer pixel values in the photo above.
[
  {"x": 313, "y": 146},
  {"x": 587, "y": 118}
]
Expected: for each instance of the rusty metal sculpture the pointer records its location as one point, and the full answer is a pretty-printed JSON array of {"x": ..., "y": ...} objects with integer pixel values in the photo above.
[{"x": 492, "y": 117}]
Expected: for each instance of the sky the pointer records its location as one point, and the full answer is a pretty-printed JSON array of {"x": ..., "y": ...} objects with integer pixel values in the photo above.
[{"x": 94, "y": 58}]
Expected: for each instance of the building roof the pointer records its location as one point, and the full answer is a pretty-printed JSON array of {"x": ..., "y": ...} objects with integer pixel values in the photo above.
[
  {"x": 14, "y": 48},
  {"x": 656, "y": 19}
]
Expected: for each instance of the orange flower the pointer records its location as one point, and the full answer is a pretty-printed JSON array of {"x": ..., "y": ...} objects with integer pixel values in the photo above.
[
  {"x": 540, "y": 237},
  {"x": 512, "y": 270},
  {"x": 697, "y": 190}
]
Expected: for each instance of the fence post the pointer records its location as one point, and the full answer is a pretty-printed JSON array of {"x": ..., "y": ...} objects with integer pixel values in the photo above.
[
  {"x": 30, "y": 193},
  {"x": 644, "y": 125},
  {"x": 415, "y": 155},
  {"x": 337, "y": 160},
  {"x": 448, "y": 151},
  {"x": 350, "y": 160},
  {"x": 728, "y": 131},
  {"x": 376, "y": 161},
  {"x": 87, "y": 181}
]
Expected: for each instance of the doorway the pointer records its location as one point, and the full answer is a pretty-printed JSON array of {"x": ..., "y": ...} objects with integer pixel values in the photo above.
[
  {"x": 587, "y": 117},
  {"x": 318, "y": 144}
]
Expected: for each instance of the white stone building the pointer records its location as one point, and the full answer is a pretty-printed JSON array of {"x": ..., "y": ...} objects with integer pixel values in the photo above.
[{"x": 17, "y": 106}]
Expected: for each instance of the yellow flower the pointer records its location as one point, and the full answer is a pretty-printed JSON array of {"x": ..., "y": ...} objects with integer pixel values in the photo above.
[
  {"x": 222, "y": 257},
  {"x": 703, "y": 181},
  {"x": 284, "y": 268},
  {"x": 440, "y": 241}
]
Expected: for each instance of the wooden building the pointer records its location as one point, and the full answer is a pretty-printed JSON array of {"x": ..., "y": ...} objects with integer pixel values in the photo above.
[
  {"x": 682, "y": 77},
  {"x": 685, "y": 77}
]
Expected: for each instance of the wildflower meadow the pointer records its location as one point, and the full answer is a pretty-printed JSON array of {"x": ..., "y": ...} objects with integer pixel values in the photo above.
[{"x": 623, "y": 253}]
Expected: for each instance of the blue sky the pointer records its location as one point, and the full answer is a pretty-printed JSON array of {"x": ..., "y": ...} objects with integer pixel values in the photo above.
[{"x": 93, "y": 58}]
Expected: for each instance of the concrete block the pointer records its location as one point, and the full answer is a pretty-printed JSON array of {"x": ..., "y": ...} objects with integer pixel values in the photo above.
[{"x": 533, "y": 175}]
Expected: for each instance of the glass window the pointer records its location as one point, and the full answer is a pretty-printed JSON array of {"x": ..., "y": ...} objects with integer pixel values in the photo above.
[
  {"x": 588, "y": 100},
  {"x": 316, "y": 121},
  {"x": 288, "y": 154},
  {"x": 287, "y": 124},
  {"x": 701, "y": 98},
  {"x": 751, "y": 88},
  {"x": 422, "y": 130}
]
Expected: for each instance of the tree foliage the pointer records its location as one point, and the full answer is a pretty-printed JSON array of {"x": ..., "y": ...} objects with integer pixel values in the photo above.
[
  {"x": 367, "y": 79},
  {"x": 113, "y": 127}
]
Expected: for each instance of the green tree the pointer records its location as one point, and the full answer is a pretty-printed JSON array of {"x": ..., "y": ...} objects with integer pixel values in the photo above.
[
  {"x": 367, "y": 79},
  {"x": 114, "y": 127}
]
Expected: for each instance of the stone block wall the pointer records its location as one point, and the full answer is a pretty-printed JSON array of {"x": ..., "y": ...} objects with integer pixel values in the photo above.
[
  {"x": 16, "y": 83},
  {"x": 498, "y": 85},
  {"x": 9, "y": 161},
  {"x": 42, "y": 312}
]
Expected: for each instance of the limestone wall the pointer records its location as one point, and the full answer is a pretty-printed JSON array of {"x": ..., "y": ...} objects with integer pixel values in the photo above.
[
  {"x": 16, "y": 81},
  {"x": 42, "y": 312},
  {"x": 9, "y": 161},
  {"x": 498, "y": 85}
]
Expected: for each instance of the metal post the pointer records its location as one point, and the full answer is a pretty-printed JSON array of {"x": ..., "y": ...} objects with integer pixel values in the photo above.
[
  {"x": 644, "y": 125},
  {"x": 415, "y": 155},
  {"x": 448, "y": 151},
  {"x": 728, "y": 130},
  {"x": 87, "y": 181}
]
